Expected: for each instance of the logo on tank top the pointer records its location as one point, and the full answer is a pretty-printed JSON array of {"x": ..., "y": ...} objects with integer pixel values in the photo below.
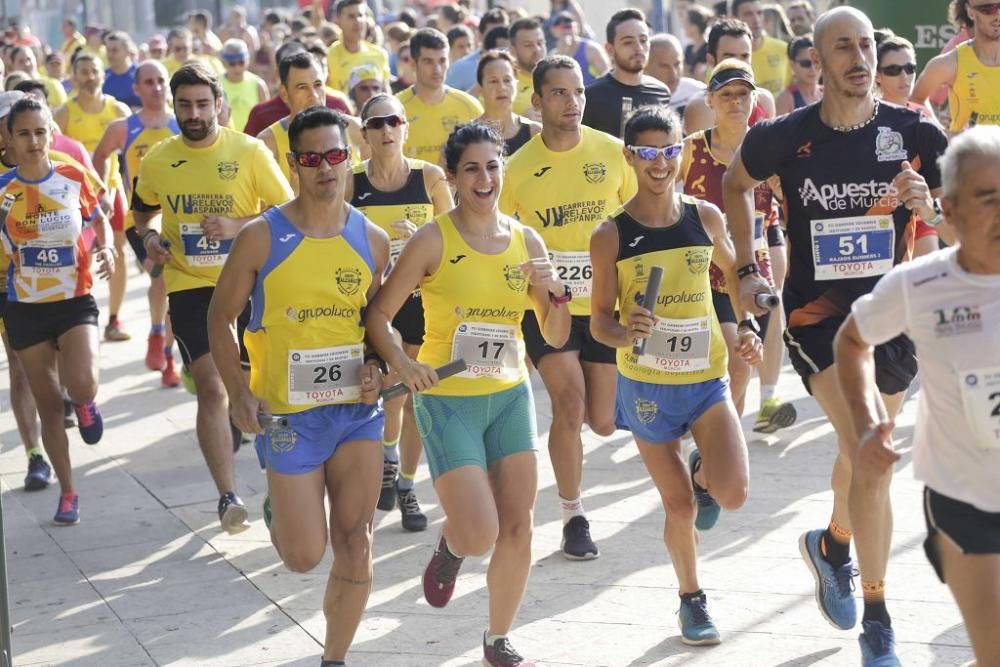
[
  {"x": 698, "y": 260},
  {"x": 348, "y": 281},
  {"x": 889, "y": 145},
  {"x": 228, "y": 170},
  {"x": 595, "y": 172},
  {"x": 416, "y": 214},
  {"x": 514, "y": 277},
  {"x": 646, "y": 410}
]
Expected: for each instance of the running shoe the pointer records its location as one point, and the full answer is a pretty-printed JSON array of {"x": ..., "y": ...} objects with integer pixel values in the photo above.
[
  {"x": 188, "y": 380},
  {"x": 68, "y": 512},
  {"x": 387, "y": 496},
  {"x": 708, "y": 509},
  {"x": 156, "y": 359},
  {"x": 267, "y": 512},
  {"x": 88, "y": 419},
  {"x": 39, "y": 473},
  {"x": 501, "y": 654},
  {"x": 834, "y": 586},
  {"x": 170, "y": 377},
  {"x": 115, "y": 333},
  {"x": 413, "y": 519},
  {"x": 774, "y": 414},
  {"x": 878, "y": 645},
  {"x": 233, "y": 513},
  {"x": 440, "y": 575},
  {"x": 697, "y": 627},
  {"x": 576, "y": 542},
  {"x": 68, "y": 420}
]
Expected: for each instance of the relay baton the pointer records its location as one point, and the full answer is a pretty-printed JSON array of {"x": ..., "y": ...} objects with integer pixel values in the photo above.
[{"x": 649, "y": 303}]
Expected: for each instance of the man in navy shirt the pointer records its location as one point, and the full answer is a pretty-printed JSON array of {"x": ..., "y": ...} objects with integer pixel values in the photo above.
[{"x": 120, "y": 76}]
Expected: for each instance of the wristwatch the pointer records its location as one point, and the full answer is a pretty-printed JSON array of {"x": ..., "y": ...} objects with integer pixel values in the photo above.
[
  {"x": 745, "y": 271},
  {"x": 938, "y": 213},
  {"x": 750, "y": 324},
  {"x": 566, "y": 296}
]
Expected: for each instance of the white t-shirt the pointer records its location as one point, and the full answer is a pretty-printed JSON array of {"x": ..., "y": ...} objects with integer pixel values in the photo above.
[
  {"x": 953, "y": 318},
  {"x": 686, "y": 90}
]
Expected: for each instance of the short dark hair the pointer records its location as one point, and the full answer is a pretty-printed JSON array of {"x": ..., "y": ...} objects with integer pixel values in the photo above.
[
  {"x": 408, "y": 16},
  {"x": 26, "y": 105},
  {"x": 495, "y": 34},
  {"x": 427, "y": 38},
  {"x": 886, "y": 42},
  {"x": 120, "y": 36},
  {"x": 463, "y": 136},
  {"x": 195, "y": 73},
  {"x": 522, "y": 24},
  {"x": 452, "y": 13},
  {"x": 314, "y": 117},
  {"x": 299, "y": 60},
  {"x": 318, "y": 52},
  {"x": 550, "y": 63},
  {"x": 619, "y": 17},
  {"x": 84, "y": 56},
  {"x": 651, "y": 117},
  {"x": 31, "y": 86},
  {"x": 489, "y": 57},
  {"x": 734, "y": 6},
  {"x": 287, "y": 49},
  {"x": 496, "y": 15},
  {"x": 201, "y": 16},
  {"x": 727, "y": 27},
  {"x": 798, "y": 44},
  {"x": 457, "y": 32},
  {"x": 344, "y": 4},
  {"x": 958, "y": 14},
  {"x": 699, "y": 17}
]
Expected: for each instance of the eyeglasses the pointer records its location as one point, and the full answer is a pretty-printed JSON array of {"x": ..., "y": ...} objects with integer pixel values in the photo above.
[
  {"x": 235, "y": 63},
  {"x": 650, "y": 153},
  {"x": 334, "y": 156},
  {"x": 807, "y": 64},
  {"x": 896, "y": 70},
  {"x": 987, "y": 9},
  {"x": 378, "y": 122}
]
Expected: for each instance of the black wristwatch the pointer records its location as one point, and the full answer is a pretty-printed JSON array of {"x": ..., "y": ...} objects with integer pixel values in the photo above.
[
  {"x": 745, "y": 271},
  {"x": 750, "y": 324}
]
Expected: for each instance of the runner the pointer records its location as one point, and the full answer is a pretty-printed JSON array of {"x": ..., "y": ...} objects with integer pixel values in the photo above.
[
  {"x": 805, "y": 87},
  {"x": 207, "y": 182},
  {"x": 853, "y": 172},
  {"x": 244, "y": 89},
  {"x": 120, "y": 74},
  {"x": 308, "y": 365},
  {"x": 352, "y": 49},
  {"x": 956, "y": 442},
  {"x": 497, "y": 79},
  {"x": 527, "y": 45},
  {"x": 666, "y": 64},
  {"x": 50, "y": 312},
  {"x": 563, "y": 183},
  {"x": 399, "y": 195},
  {"x": 770, "y": 54},
  {"x": 569, "y": 42},
  {"x": 731, "y": 96},
  {"x": 679, "y": 382},
  {"x": 22, "y": 59},
  {"x": 132, "y": 137},
  {"x": 301, "y": 87},
  {"x": 478, "y": 427},
  {"x": 85, "y": 117},
  {"x": 433, "y": 109}
]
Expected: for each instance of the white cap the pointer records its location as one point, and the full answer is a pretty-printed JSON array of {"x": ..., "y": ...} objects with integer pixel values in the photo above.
[{"x": 7, "y": 101}]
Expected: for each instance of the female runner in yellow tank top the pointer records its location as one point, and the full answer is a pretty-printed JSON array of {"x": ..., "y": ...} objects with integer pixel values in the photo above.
[{"x": 478, "y": 271}]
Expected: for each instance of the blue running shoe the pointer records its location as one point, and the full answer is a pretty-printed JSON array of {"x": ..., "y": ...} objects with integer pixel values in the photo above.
[
  {"x": 834, "y": 586},
  {"x": 68, "y": 512},
  {"x": 708, "y": 509},
  {"x": 878, "y": 645},
  {"x": 39, "y": 474},
  {"x": 697, "y": 627},
  {"x": 89, "y": 421}
]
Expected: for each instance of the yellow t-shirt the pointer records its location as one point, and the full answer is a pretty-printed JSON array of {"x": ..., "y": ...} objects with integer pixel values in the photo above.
[
  {"x": 525, "y": 87},
  {"x": 88, "y": 129},
  {"x": 564, "y": 196},
  {"x": 279, "y": 130},
  {"x": 172, "y": 65},
  {"x": 771, "y": 68},
  {"x": 242, "y": 97},
  {"x": 54, "y": 91},
  {"x": 234, "y": 177},
  {"x": 975, "y": 93},
  {"x": 430, "y": 125},
  {"x": 340, "y": 62}
]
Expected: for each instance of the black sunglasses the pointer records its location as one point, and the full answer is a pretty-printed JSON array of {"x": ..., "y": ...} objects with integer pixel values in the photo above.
[
  {"x": 378, "y": 122},
  {"x": 334, "y": 156},
  {"x": 896, "y": 70},
  {"x": 807, "y": 64}
]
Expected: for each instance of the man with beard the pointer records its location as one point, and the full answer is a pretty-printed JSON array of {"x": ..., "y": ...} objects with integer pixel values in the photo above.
[
  {"x": 771, "y": 67},
  {"x": 853, "y": 172},
  {"x": 971, "y": 71},
  {"x": 625, "y": 87},
  {"x": 207, "y": 182},
  {"x": 527, "y": 45}
]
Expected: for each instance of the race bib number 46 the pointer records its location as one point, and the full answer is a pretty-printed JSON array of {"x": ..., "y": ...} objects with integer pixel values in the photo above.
[
  {"x": 327, "y": 375},
  {"x": 51, "y": 259},
  {"x": 199, "y": 251},
  {"x": 981, "y": 402},
  {"x": 489, "y": 350},
  {"x": 858, "y": 247}
]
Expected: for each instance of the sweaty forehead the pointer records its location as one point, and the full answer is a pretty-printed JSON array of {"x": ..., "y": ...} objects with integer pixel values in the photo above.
[{"x": 844, "y": 23}]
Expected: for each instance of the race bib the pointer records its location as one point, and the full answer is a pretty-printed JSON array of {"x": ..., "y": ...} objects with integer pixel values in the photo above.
[
  {"x": 199, "y": 251},
  {"x": 678, "y": 346},
  {"x": 395, "y": 248},
  {"x": 489, "y": 350},
  {"x": 858, "y": 247},
  {"x": 981, "y": 402},
  {"x": 327, "y": 375},
  {"x": 48, "y": 259},
  {"x": 574, "y": 270}
]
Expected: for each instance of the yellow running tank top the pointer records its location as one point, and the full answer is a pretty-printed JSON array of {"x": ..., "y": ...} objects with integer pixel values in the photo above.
[
  {"x": 687, "y": 344},
  {"x": 88, "y": 128},
  {"x": 279, "y": 130},
  {"x": 305, "y": 337},
  {"x": 974, "y": 98},
  {"x": 473, "y": 305}
]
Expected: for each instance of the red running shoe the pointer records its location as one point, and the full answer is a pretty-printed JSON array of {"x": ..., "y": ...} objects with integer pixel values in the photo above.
[{"x": 440, "y": 575}]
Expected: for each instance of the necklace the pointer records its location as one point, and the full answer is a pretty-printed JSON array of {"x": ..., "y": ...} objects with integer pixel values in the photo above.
[{"x": 858, "y": 126}]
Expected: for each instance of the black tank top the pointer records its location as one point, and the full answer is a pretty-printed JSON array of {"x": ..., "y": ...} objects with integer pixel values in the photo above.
[{"x": 519, "y": 139}]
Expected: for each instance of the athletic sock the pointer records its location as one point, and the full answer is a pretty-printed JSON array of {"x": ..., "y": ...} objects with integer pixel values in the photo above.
[
  {"x": 491, "y": 639},
  {"x": 168, "y": 352},
  {"x": 835, "y": 545},
  {"x": 35, "y": 451},
  {"x": 404, "y": 482},
  {"x": 332, "y": 663},
  {"x": 874, "y": 596},
  {"x": 390, "y": 450},
  {"x": 766, "y": 392},
  {"x": 689, "y": 596},
  {"x": 157, "y": 329},
  {"x": 113, "y": 319},
  {"x": 571, "y": 508}
]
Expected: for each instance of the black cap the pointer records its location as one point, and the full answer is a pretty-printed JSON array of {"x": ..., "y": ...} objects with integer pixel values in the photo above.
[{"x": 722, "y": 77}]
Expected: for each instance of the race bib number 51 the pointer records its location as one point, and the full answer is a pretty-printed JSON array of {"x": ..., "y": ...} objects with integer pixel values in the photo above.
[
  {"x": 981, "y": 402},
  {"x": 326, "y": 375},
  {"x": 858, "y": 247}
]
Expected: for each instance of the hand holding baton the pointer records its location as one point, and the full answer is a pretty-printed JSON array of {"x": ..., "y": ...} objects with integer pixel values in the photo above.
[
  {"x": 157, "y": 269},
  {"x": 766, "y": 300},
  {"x": 451, "y": 368},
  {"x": 649, "y": 303}
]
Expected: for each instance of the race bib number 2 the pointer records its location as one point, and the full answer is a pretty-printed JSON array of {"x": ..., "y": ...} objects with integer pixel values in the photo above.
[
  {"x": 199, "y": 251},
  {"x": 326, "y": 375},
  {"x": 981, "y": 402},
  {"x": 858, "y": 247}
]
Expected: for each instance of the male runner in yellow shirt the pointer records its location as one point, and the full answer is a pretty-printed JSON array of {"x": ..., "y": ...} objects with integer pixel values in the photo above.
[
  {"x": 771, "y": 68},
  {"x": 352, "y": 49}
]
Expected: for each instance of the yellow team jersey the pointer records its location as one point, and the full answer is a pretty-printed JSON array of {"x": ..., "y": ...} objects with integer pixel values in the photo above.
[
  {"x": 138, "y": 140},
  {"x": 242, "y": 97},
  {"x": 687, "y": 345},
  {"x": 974, "y": 98},
  {"x": 55, "y": 94},
  {"x": 522, "y": 98},
  {"x": 305, "y": 337},
  {"x": 564, "y": 196},
  {"x": 234, "y": 177},
  {"x": 473, "y": 305},
  {"x": 771, "y": 68},
  {"x": 88, "y": 128},
  {"x": 279, "y": 130},
  {"x": 340, "y": 62},
  {"x": 430, "y": 125},
  {"x": 214, "y": 64}
]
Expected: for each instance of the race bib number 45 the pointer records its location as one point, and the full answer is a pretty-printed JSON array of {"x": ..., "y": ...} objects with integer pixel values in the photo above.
[
  {"x": 326, "y": 375},
  {"x": 981, "y": 402},
  {"x": 199, "y": 251},
  {"x": 857, "y": 247},
  {"x": 489, "y": 350}
]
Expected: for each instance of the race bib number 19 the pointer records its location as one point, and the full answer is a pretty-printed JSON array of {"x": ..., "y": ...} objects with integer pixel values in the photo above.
[
  {"x": 858, "y": 247},
  {"x": 678, "y": 346},
  {"x": 981, "y": 402}
]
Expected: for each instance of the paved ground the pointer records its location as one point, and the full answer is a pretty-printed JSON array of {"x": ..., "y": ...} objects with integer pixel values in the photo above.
[{"x": 147, "y": 578}]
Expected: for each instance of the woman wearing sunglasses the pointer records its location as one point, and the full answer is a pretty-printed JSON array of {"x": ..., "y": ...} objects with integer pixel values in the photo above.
[
  {"x": 678, "y": 382},
  {"x": 897, "y": 70},
  {"x": 805, "y": 87},
  {"x": 399, "y": 195},
  {"x": 478, "y": 271},
  {"x": 498, "y": 82}
]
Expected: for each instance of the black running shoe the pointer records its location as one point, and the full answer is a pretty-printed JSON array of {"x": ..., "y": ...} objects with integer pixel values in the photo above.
[
  {"x": 413, "y": 519},
  {"x": 576, "y": 542},
  {"x": 387, "y": 496},
  {"x": 233, "y": 513}
]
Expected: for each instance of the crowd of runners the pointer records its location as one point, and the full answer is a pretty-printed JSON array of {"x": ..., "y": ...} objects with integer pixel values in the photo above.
[{"x": 333, "y": 203}]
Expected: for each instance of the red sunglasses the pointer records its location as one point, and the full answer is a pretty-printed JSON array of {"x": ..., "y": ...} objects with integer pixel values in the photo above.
[
  {"x": 987, "y": 9},
  {"x": 378, "y": 122},
  {"x": 334, "y": 156}
]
